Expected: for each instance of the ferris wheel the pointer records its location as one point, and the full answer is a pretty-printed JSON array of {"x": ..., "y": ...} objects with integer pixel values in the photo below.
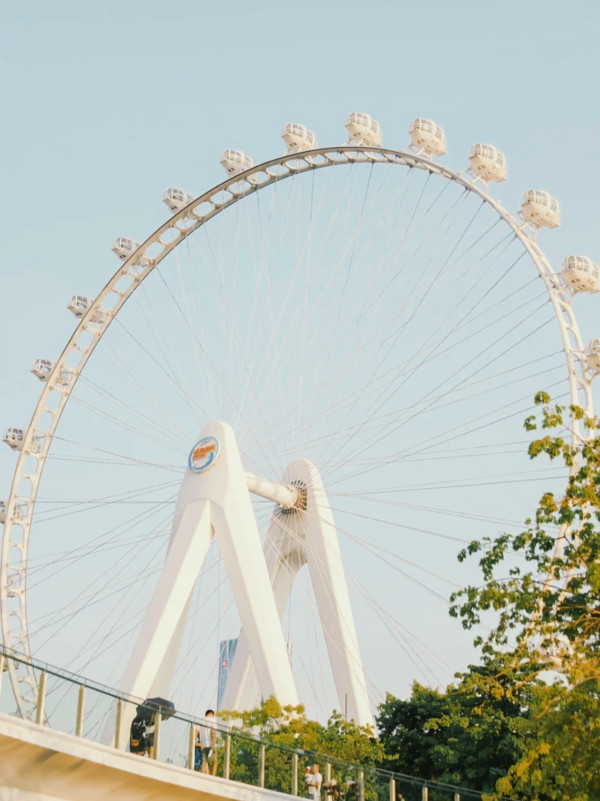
[{"x": 363, "y": 310}]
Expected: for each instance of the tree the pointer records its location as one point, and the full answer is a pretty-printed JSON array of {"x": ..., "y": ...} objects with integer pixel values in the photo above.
[
  {"x": 548, "y": 617},
  {"x": 289, "y": 731},
  {"x": 466, "y": 736}
]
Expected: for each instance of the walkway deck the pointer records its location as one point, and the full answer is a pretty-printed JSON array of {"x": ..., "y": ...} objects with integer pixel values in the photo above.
[{"x": 40, "y": 764}]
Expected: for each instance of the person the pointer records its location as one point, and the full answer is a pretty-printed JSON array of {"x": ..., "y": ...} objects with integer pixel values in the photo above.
[
  {"x": 351, "y": 791},
  {"x": 141, "y": 735},
  {"x": 313, "y": 783},
  {"x": 206, "y": 743},
  {"x": 332, "y": 791}
]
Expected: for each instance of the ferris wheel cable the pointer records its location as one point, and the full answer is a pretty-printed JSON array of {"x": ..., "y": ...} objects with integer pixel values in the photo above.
[
  {"x": 113, "y": 462},
  {"x": 84, "y": 505},
  {"x": 97, "y": 646},
  {"x": 114, "y": 497},
  {"x": 125, "y": 426},
  {"x": 144, "y": 418},
  {"x": 400, "y": 636},
  {"x": 374, "y": 409},
  {"x": 335, "y": 476},
  {"x": 88, "y": 601},
  {"x": 462, "y": 381},
  {"x": 494, "y": 389},
  {"x": 154, "y": 534},
  {"x": 457, "y": 280},
  {"x": 398, "y": 387},
  {"x": 435, "y": 510},
  {"x": 188, "y": 313},
  {"x": 343, "y": 253},
  {"x": 102, "y": 540},
  {"x": 132, "y": 380},
  {"x": 395, "y": 627},
  {"x": 364, "y": 544},
  {"x": 386, "y": 262},
  {"x": 425, "y": 446},
  {"x": 157, "y": 334},
  {"x": 386, "y": 376},
  {"x": 124, "y": 457},
  {"x": 193, "y": 333},
  {"x": 42, "y": 563},
  {"x": 388, "y": 342},
  {"x": 83, "y": 553},
  {"x": 394, "y": 413},
  {"x": 275, "y": 363},
  {"x": 179, "y": 388}
]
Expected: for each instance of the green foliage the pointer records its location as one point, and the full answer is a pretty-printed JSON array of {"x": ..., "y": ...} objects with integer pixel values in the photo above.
[
  {"x": 467, "y": 736},
  {"x": 561, "y": 759},
  {"x": 547, "y": 617},
  {"x": 288, "y": 730},
  {"x": 557, "y": 590}
]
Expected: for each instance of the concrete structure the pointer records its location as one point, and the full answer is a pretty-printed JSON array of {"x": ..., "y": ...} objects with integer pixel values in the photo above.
[{"x": 41, "y": 764}]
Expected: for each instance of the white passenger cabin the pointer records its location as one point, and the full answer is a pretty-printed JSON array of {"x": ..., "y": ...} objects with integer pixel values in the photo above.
[
  {"x": 487, "y": 163},
  {"x": 14, "y": 438},
  {"x": 41, "y": 368},
  {"x": 298, "y": 138},
  {"x": 235, "y": 161},
  {"x": 540, "y": 209},
  {"x": 581, "y": 274},
  {"x": 176, "y": 199},
  {"x": 124, "y": 246},
  {"x": 363, "y": 130},
  {"x": 592, "y": 355},
  {"x": 79, "y": 304},
  {"x": 427, "y": 137}
]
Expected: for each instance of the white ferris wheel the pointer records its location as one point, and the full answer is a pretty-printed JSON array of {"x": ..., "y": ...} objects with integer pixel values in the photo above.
[{"x": 360, "y": 332}]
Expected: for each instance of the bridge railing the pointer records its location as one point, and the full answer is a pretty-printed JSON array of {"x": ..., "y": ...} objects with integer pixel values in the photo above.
[{"x": 77, "y": 706}]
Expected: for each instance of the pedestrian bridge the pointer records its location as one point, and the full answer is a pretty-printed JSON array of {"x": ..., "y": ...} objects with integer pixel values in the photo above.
[
  {"x": 59, "y": 753},
  {"x": 41, "y": 764}
]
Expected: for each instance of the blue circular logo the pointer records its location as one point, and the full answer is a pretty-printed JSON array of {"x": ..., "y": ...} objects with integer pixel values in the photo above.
[{"x": 203, "y": 454}]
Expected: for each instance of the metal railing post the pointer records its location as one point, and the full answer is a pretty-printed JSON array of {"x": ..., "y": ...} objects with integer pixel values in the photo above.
[
  {"x": 425, "y": 793},
  {"x": 192, "y": 748},
  {"x": 294, "y": 774},
  {"x": 41, "y": 698},
  {"x": 227, "y": 757},
  {"x": 361, "y": 785},
  {"x": 118, "y": 723},
  {"x": 261, "y": 765},
  {"x": 328, "y": 771},
  {"x": 80, "y": 711},
  {"x": 392, "y": 789},
  {"x": 456, "y": 796},
  {"x": 156, "y": 736}
]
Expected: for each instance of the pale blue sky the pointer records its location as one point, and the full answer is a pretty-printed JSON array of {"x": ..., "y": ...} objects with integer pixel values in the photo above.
[{"x": 107, "y": 104}]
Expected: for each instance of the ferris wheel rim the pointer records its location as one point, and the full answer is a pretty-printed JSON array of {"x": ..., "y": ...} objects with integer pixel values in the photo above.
[{"x": 138, "y": 266}]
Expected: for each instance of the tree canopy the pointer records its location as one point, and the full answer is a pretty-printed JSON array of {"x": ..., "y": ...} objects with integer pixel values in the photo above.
[{"x": 548, "y": 617}]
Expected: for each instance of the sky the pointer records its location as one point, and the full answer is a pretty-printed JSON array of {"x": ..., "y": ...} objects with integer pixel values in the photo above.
[{"x": 109, "y": 103}]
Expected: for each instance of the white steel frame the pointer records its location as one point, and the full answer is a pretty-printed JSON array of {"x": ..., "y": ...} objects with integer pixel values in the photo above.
[{"x": 53, "y": 399}]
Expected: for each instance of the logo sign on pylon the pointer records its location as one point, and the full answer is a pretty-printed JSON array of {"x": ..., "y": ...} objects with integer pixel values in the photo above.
[{"x": 203, "y": 455}]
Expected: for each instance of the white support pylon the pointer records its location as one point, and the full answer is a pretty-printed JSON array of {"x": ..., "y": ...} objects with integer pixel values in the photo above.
[
  {"x": 308, "y": 536},
  {"x": 213, "y": 499}
]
